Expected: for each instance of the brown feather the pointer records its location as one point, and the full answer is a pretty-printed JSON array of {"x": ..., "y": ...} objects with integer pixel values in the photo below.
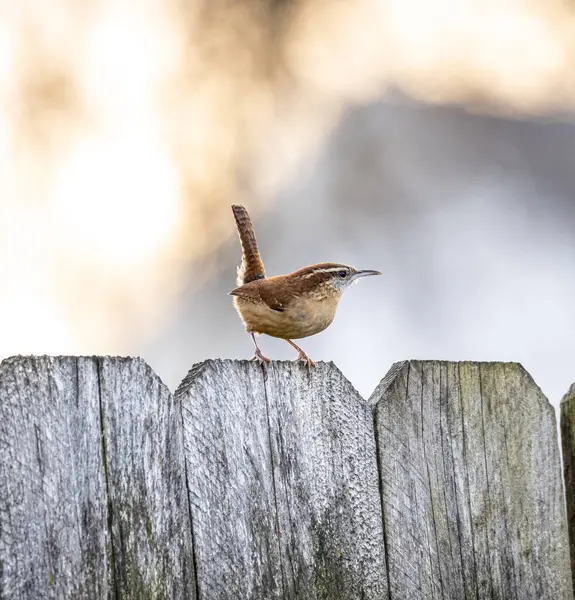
[
  {"x": 251, "y": 267},
  {"x": 280, "y": 291},
  {"x": 290, "y": 306}
]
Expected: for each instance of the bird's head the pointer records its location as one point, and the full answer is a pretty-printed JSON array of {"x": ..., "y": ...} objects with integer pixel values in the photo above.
[{"x": 337, "y": 276}]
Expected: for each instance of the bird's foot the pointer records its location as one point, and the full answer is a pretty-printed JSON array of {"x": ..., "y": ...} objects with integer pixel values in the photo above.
[
  {"x": 264, "y": 360},
  {"x": 305, "y": 358}
]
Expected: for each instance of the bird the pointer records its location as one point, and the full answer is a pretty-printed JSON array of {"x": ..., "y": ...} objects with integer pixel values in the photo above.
[{"x": 292, "y": 306}]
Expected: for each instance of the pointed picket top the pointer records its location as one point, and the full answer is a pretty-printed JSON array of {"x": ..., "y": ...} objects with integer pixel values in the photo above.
[{"x": 471, "y": 483}]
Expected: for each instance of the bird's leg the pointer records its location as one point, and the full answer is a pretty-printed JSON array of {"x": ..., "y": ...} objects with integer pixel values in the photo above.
[
  {"x": 302, "y": 355},
  {"x": 258, "y": 353}
]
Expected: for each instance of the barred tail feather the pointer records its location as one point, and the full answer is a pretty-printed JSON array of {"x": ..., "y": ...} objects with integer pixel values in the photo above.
[{"x": 251, "y": 267}]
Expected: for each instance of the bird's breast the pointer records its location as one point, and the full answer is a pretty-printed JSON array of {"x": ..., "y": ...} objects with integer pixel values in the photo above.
[{"x": 301, "y": 318}]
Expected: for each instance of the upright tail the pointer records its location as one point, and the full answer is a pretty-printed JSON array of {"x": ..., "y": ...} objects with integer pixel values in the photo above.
[{"x": 251, "y": 267}]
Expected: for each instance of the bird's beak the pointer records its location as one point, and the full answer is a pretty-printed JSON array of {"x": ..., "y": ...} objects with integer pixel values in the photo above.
[{"x": 363, "y": 274}]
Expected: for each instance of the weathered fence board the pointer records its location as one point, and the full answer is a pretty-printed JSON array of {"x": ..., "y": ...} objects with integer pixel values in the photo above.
[
  {"x": 282, "y": 477},
  {"x": 92, "y": 501},
  {"x": 281, "y": 484},
  {"x": 568, "y": 443},
  {"x": 470, "y": 477}
]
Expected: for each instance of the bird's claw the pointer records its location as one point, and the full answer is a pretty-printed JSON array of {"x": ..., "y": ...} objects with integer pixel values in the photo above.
[
  {"x": 264, "y": 360},
  {"x": 305, "y": 358}
]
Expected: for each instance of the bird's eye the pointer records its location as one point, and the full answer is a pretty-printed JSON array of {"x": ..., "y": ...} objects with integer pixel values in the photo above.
[{"x": 343, "y": 274}]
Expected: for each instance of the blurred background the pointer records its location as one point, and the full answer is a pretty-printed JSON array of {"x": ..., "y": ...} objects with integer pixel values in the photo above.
[{"x": 431, "y": 140}]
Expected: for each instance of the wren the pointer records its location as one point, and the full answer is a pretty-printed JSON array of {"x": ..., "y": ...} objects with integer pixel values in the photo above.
[{"x": 289, "y": 307}]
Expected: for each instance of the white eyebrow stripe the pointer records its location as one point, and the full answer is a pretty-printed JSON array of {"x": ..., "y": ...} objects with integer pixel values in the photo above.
[
  {"x": 330, "y": 270},
  {"x": 334, "y": 269}
]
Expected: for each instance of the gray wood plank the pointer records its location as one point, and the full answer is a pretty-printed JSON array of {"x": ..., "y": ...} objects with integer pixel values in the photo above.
[
  {"x": 282, "y": 478},
  {"x": 568, "y": 445},
  {"x": 230, "y": 487},
  {"x": 53, "y": 509},
  {"x": 471, "y": 485},
  {"x": 92, "y": 480},
  {"x": 146, "y": 482}
]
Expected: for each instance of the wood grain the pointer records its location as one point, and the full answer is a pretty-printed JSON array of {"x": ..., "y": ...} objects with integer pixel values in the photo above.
[
  {"x": 282, "y": 478},
  {"x": 471, "y": 484},
  {"x": 93, "y": 501},
  {"x": 568, "y": 444},
  {"x": 445, "y": 485}
]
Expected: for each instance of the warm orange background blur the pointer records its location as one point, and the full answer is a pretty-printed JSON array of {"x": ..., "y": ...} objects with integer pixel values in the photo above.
[{"x": 428, "y": 139}]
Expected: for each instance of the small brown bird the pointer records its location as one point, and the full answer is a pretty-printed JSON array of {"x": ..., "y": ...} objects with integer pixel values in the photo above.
[{"x": 292, "y": 306}]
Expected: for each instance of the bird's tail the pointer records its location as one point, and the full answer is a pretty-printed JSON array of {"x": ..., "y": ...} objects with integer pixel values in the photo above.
[{"x": 251, "y": 267}]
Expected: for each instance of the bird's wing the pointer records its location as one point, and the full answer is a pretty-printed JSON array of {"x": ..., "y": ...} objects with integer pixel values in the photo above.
[
  {"x": 272, "y": 300},
  {"x": 259, "y": 292}
]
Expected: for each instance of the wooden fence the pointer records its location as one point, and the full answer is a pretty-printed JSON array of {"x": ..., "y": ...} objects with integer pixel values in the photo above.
[{"x": 445, "y": 484}]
